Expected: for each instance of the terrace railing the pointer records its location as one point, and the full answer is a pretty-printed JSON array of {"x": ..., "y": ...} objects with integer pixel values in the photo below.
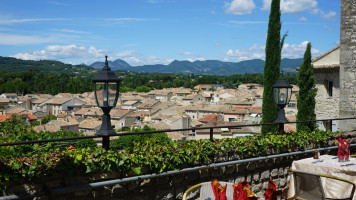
[{"x": 211, "y": 129}]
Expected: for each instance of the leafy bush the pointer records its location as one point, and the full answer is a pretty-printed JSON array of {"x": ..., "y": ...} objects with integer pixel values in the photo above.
[
  {"x": 13, "y": 130},
  {"x": 48, "y": 118},
  {"x": 128, "y": 142},
  {"x": 148, "y": 154}
]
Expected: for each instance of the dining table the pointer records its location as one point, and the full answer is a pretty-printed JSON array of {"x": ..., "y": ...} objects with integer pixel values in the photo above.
[{"x": 329, "y": 165}]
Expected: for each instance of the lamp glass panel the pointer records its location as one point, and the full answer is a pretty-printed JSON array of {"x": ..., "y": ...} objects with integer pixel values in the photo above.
[
  {"x": 281, "y": 95},
  {"x": 101, "y": 93},
  {"x": 276, "y": 95},
  {"x": 112, "y": 93},
  {"x": 289, "y": 93}
]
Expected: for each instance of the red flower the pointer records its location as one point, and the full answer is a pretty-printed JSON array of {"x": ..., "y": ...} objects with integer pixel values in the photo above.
[
  {"x": 242, "y": 191},
  {"x": 71, "y": 147},
  {"x": 271, "y": 192},
  {"x": 219, "y": 190}
]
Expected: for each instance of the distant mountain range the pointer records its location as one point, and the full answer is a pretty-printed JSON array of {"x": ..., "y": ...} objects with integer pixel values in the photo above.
[
  {"x": 208, "y": 67},
  {"x": 212, "y": 67}
]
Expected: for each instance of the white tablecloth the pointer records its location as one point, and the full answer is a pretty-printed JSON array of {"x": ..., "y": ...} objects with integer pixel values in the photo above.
[{"x": 328, "y": 165}]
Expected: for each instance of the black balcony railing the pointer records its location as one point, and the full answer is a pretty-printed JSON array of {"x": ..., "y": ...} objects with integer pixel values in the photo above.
[{"x": 211, "y": 128}]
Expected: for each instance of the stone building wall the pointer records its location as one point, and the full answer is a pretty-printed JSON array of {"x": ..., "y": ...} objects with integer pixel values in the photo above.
[
  {"x": 327, "y": 107},
  {"x": 348, "y": 63}
]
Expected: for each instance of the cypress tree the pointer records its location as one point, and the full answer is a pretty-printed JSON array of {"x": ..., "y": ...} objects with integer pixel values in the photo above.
[
  {"x": 307, "y": 92},
  {"x": 271, "y": 72}
]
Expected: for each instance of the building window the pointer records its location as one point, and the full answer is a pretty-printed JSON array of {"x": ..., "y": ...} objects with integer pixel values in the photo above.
[
  {"x": 327, "y": 125},
  {"x": 329, "y": 88}
]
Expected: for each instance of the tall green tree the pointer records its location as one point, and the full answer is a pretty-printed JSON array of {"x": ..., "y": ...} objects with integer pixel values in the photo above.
[
  {"x": 271, "y": 72},
  {"x": 307, "y": 93}
]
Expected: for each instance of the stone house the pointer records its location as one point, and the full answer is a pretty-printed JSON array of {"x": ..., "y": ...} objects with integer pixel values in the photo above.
[
  {"x": 235, "y": 115},
  {"x": 149, "y": 105},
  {"x": 34, "y": 105},
  {"x": 89, "y": 125},
  {"x": 326, "y": 72},
  {"x": 57, "y": 105},
  {"x": 4, "y": 102},
  {"x": 199, "y": 111},
  {"x": 68, "y": 124},
  {"x": 89, "y": 112},
  {"x": 203, "y": 87},
  {"x": 211, "y": 118},
  {"x": 220, "y": 133},
  {"x": 130, "y": 105},
  {"x": 179, "y": 123},
  {"x": 119, "y": 118},
  {"x": 161, "y": 95},
  {"x": 192, "y": 99},
  {"x": 10, "y": 96},
  {"x": 182, "y": 91}
]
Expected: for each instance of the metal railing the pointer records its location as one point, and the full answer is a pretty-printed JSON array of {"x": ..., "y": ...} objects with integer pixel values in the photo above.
[
  {"x": 211, "y": 131},
  {"x": 67, "y": 189}
]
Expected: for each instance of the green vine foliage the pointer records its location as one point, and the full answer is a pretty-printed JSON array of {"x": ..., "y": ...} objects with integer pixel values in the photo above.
[{"x": 151, "y": 155}]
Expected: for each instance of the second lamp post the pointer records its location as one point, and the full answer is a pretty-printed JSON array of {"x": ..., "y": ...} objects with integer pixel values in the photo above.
[
  {"x": 106, "y": 90},
  {"x": 282, "y": 91}
]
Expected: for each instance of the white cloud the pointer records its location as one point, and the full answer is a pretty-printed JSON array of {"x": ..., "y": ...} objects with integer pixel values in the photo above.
[
  {"x": 15, "y": 21},
  {"x": 327, "y": 28},
  {"x": 248, "y": 22},
  {"x": 292, "y": 6},
  {"x": 186, "y": 53},
  {"x": 72, "y": 31},
  {"x": 297, "y": 50},
  {"x": 151, "y": 60},
  {"x": 258, "y": 52},
  {"x": 195, "y": 59},
  {"x": 303, "y": 19},
  {"x": 126, "y": 53},
  {"x": 240, "y": 7},
  {"x": 329, "y": 15},
  {"x": 253, "y": 52},
  {"x": 58, "y": 52},
  {"x": 57, "y": 3},
  {"x": 7, "y": 39},
  {"x": 129, "y": 19}
]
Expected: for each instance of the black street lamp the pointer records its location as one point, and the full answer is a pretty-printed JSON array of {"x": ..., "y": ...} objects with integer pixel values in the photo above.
[
  {"x": 106, "y": 90},
  {"x": 282, "y": 91}
]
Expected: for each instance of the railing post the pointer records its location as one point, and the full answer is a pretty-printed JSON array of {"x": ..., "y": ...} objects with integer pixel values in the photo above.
[
  {"x": 281, "y": 128},
  {"x": 106, "y": 142},
  {"x": 211, "y": 134}
]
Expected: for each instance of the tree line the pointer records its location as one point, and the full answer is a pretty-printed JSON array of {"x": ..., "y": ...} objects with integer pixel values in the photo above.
[{"x": 37, "y": 82}]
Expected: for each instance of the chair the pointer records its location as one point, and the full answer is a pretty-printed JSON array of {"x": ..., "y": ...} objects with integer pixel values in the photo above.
[
  {"x": 206, "y": 191},
  {"x": 308, "y": 186}
]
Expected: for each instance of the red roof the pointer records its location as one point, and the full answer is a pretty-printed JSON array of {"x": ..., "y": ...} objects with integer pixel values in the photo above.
[
  {"x": 62, "y": 115},
  {"x": 8, "y": 116},
  {"x": 5, "y": 117},
  {"x": 208, "y": 118}
]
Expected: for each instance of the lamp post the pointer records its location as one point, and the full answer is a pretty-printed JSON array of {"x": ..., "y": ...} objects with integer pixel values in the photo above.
[
  {"x": 106, "y": 90},
  {"x": 282, "y": 91}
]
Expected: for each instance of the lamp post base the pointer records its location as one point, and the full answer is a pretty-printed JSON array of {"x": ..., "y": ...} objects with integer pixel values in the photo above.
[{"x": 106, "y": 130}]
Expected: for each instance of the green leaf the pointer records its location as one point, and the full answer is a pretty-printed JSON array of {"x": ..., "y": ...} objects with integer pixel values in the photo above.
[
  {"x": 137, "y": 170},
  {"x": 78, "y": 157}
]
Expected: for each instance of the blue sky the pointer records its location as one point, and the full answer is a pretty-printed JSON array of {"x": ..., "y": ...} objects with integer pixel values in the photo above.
[{"x": 160, "y": 31}]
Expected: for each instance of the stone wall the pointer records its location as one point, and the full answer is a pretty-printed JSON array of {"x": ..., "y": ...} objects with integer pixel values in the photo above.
[
  {"x": 348, "y": 63},
  {"x": 170, "y": 187},
  {"x": 327, "y": 107}
]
